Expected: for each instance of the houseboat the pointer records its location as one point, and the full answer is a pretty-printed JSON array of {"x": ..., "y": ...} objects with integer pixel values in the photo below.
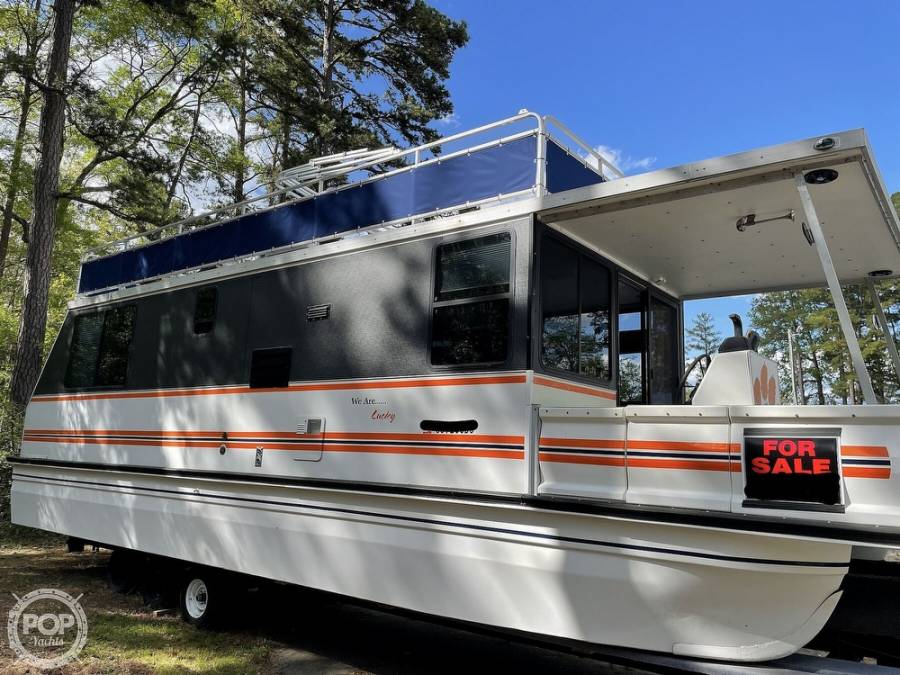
[{"x": 450, "y": 379}]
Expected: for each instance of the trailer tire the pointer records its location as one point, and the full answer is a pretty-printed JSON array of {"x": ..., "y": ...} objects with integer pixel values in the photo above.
[{"x": 201, "y": 599}]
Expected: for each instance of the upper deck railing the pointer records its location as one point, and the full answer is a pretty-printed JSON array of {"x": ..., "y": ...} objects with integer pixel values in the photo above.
[{"x": 356, "y": 191}]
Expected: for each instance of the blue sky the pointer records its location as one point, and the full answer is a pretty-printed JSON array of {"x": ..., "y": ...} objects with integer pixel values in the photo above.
[{"x": 668, "y": 82}]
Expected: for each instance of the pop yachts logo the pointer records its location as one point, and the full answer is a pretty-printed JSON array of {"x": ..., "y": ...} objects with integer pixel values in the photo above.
[{"x": 47, "y": 628}]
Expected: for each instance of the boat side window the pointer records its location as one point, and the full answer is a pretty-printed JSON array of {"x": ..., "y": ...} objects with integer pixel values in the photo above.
[
  {"x": 270, "y": 368},
  {"x": 470, "y": 318},
  {"x": 575, "y": 311},
  {"x": 98, "y": 355},
  {"x": 205, "y": 310}
]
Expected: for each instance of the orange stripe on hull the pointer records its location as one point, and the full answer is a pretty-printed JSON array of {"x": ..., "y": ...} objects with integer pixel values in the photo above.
[
  {"x": 642, "y": 463},
  {"x": 323, "y": 386},
  {"x": 581, "y": 459},
  {"x": 565, "y": 386},
  {"x": 446, "y": 451},
  {"x": 604, "y": 443},
  {"x": 453, "y": 438},
  {"x": 434, "y": 450},
  {"x": 864, "y": 451},
  {"x": 866, "y": 472},
  {"x": 677, "y": 446},
  {"x": 345, "y": 436}
]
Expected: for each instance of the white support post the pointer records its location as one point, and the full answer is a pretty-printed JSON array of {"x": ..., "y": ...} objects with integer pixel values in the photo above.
[
  {"x": 885, "y": 328},
  {"x": 834, "y": 285},
  {"x": 540, "y": 179}
]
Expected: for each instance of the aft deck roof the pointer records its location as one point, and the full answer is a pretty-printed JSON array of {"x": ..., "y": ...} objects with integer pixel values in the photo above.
[{"x": 677, "y": 226}]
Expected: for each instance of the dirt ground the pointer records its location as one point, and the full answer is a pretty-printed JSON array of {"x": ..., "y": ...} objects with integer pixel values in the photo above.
[{"x": 284, "y": 631}]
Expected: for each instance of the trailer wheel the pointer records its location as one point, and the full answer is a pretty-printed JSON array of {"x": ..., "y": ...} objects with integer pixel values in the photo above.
[{"x": 200, "y": 600}]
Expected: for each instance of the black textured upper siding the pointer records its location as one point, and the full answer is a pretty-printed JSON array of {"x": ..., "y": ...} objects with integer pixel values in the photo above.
[{"x": 379, "y": 325}]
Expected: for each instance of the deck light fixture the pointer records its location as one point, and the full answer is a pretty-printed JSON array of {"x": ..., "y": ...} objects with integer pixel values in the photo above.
[
  {"x": 750, "y": 219},
  {"x": 820, "y": 176}
]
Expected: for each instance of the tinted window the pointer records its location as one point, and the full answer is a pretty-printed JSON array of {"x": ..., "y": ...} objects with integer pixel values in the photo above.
[
  {"x": 205, "y": 310},
  {"x": 594, "y": 324},
  {"x": 663, "y": 347},
  {"x": 118, "y": 330},
  {"x": 470, "y": 333},
  {"x": 98, "y": 356},
  {"x": 84, "y": 350},
  {"x": 270, "y": 367},
  {"x": 559, "y": 302},
  {"x": 465, "y": 328},
  {"x": 473, "y": 267},
  {"x": 631, "y": 342},
  {"x": 575, "y": 306}
]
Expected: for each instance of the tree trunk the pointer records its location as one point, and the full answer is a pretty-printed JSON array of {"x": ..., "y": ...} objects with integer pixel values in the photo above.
[
  {"x": 239, "y": 175},
  {"x": 176, "y": 179},
  {"x": 817, "y": 376},
  {"x": 42, "y": 231},
  {"x": 15, "y": 166},
  {"x": 330, "y": 19}
]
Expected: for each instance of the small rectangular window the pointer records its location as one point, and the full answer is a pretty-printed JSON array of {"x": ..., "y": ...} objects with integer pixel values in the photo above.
[
  {"x": 467, "y": 328},
  {"x": 474, "y": 332},
  {"x": 473, "y": 267},
  {"x": 101, "y": 341},
  {"x": 205, "y": 310},
  {"x": 270, "y": 368}
]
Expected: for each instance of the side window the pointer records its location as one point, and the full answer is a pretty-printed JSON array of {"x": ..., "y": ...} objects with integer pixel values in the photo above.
[
  {"x": 205, "y": 310},
  {"x": 84, "y": 350},
  {"x": 98, "y": 356},
  {"x": 575, "y": 311},
  {"x": 472, "y": 295},
  {"x": 270, "y": 368}
]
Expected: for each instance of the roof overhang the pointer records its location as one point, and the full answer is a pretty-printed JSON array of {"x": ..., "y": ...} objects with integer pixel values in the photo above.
[{"x": 677, "y": 226}]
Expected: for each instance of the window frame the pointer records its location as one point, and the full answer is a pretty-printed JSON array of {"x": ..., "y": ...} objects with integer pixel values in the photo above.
[
  {"x": 103, "y": 311},
  {"x": 509, "y": 296},
  {"x": 538, "y": 333},
  {"x": 209, "y": 332},
  {"x": 540, "y": 231}
]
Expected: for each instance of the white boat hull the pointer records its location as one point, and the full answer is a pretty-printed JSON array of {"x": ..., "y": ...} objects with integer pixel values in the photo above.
[{"x": 665, "y": 587}]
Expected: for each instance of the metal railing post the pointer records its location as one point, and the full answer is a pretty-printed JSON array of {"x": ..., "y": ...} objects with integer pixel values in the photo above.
[
  {"x": 834, "y": 285},
  {"x": 540, "y": 178},
  {"x": 885, "y": 328}
]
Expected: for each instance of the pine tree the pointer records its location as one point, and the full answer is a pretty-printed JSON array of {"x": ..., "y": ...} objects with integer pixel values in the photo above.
[{"x": 703, "y": 338}]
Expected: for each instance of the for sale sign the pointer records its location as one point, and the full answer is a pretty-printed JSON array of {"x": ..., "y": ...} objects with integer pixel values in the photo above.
[{"x": 791, "y": 467}]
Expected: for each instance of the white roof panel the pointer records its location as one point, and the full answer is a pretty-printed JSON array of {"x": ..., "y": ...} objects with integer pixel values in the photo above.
[{"x": 679, "y": 224}]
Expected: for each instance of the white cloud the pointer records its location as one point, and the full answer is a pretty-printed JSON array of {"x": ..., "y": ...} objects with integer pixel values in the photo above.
[
  {"x": 626, "y": 163},
  {"x": 449, "y": 120}
]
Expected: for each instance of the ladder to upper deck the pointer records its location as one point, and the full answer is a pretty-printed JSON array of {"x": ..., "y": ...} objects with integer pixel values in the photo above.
[{"x": 325, "y": 199}]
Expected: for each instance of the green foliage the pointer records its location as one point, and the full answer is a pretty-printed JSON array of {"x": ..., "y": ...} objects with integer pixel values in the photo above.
[
  {"x": 173, "y": 107},
  {"x": 826, "y": 374}
]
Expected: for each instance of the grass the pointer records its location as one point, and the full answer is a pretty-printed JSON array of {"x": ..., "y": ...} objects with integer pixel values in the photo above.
[
  {"x": 123, "y": 636},
  {"x": 170, "y": 647}
]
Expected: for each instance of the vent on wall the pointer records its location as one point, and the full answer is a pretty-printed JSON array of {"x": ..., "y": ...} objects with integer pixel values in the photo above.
[{"x": 318, "y": 312}]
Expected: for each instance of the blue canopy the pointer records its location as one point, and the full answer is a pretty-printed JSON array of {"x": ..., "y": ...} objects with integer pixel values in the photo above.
[{"x": 481, "y": 174}]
